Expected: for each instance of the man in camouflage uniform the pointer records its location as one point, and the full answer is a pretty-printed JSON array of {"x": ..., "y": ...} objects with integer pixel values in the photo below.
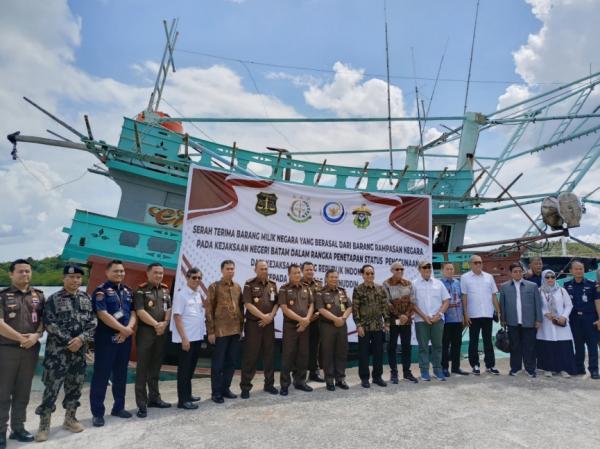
[
  {"x": 21, "y": 308},
  {"x": 371, "y": 315},
  {"x": 70, "y": 323},
  {"x": 152, "y": 304}
]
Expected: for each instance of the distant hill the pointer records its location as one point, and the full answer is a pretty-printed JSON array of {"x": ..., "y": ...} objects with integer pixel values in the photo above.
[
  {"x": 555, "y": 249},
  {"x": 47, "y": 272}
]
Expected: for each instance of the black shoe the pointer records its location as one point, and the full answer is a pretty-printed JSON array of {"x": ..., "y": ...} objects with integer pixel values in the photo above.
[
  {"x": 410, "y": 378},
  {"x": 460, "y": 372},
  {"x": 142, "y": 412},
  {"x": 271, "y": 390},
  {"x": 283, "y": 391},
  {"x": 3, "y": 440},
  {"x": 580, "y": 372},
  {"x": 159, "y": 404},
  {"x": 121, "y": 414},
  {"x": 315, "y": 376},
  {"x": 493, "y": 371},
  {"x": 187, "y": 405},
  {"x": 380, "y": 382},
  {"x": 98, "y": 421},
  {"x": 365, "y": 384},
  {"x": 394, "y": 378},
  {"x": 342, "y": 384},
  {"x": 446, "y": 373},
  {"x": 303, "y": 387},
  {"x": 217, "y": 399},
  {"x": 229, "y": 395},
  {"x": 330, "y": 387},
  {"x": 194, "y": 398},
  {"x": 595, "y": 375},
  {"x": 245, "y": 394},
  {"x": 21, "y": 435},
  {"x": 476, "y": 370}
]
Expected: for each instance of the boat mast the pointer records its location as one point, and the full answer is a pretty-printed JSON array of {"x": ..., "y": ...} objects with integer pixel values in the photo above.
[
  {"x": 167, "y": 60},
  {"x": 389, "y": 105}
]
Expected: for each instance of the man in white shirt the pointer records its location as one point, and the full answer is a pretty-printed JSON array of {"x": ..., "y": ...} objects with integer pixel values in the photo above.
[
  {"x": 431, "y": 301},
  {"x": 188, "y": 330},
  {"x": 479, "y": 303}
]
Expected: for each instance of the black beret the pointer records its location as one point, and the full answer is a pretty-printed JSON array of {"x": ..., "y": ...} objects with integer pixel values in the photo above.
[{"x": 73, "y": 269}]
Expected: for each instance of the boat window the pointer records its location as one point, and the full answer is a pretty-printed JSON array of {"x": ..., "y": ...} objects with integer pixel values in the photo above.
[
  {"x": 162, "y": 245},
  {"x": 441, "y": 238},
  {"x": 128, "y": 238}
]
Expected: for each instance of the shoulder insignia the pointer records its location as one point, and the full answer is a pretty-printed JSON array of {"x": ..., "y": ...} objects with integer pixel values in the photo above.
[
  {"x": 144, "y": 284},
  {"x": 164, "y": 285}
]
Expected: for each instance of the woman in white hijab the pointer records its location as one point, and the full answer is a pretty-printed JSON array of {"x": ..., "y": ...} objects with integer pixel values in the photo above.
[{"x": 554, "y": 345}]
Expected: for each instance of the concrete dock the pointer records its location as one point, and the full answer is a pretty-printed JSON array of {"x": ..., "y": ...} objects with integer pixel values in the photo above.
[{"x": 467, "y": 412}]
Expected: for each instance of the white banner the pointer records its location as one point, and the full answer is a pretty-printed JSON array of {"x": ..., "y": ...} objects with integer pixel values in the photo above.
[{"x": 246, "y": 220}]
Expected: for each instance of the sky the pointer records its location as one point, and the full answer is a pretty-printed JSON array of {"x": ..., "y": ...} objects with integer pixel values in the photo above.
[{"x": 284, "y": 58}]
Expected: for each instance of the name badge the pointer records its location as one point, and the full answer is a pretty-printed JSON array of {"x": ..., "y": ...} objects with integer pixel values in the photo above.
[
  {"x": 119, "y": 314},
  {"x": 34, "y": 317},
  {"x": 150, "y": 303},
  {"x": 165, "y": 306},
  {"x": 397, "y": 321},
  {"x": 342, "y": 307},
  {"x": 272, "y": 296},
  {"x": 12, "y": 315}
]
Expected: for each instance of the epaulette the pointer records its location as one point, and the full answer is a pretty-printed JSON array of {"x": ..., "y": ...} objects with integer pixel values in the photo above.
[
  {"x": 164, "y": 285},
  {"x": 38, "y": 290},
  {"x": 143, "y": 284},
  {"x": 4, "y": 289},
  {"x": 272, "y": 281},
  {"x": 249, "y": 281}
]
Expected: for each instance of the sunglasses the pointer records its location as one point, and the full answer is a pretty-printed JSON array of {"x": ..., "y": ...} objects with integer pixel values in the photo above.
[
  {"x": 477, "y": 262},
  {"x": 550, "y": 276},
  {"x": 398, "y": 269},
  {"x": 369, "y": 273},
  {"x": 195, "y": 278}
]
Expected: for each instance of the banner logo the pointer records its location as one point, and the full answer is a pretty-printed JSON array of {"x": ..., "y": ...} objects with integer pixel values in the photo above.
[
  {"x": 300, "y": 210},
  {"x": 266, "y": 204},
  {"x": 333, "y": 212},
  {"x": 362, "y": 216}
]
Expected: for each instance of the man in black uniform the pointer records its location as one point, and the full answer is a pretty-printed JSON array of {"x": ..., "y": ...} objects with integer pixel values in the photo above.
[
  {"x": 334, "y": 307},
  {"x": 153, "y": 309},
  {"x": 21, "y": 308},
  {"x": 260, "y": 299},
  {"x": 296, "y": 302}
]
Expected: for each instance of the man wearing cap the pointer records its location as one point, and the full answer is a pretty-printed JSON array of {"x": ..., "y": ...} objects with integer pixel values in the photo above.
[
  {"x": 153, "y": 309},
  {"x": 70, "y": 322},
  {"x": 431, "y": 302},
  {"x": 113, "y": 303},
  {"x": 21, "y": 308}
]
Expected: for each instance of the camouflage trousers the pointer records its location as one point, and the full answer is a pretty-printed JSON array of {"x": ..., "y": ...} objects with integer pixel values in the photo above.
[{"x": 62, "y": 366}]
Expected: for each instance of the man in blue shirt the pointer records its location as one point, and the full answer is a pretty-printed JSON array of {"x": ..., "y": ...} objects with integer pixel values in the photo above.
[
  {"x": 584, "y": 319},
  {"x": 453, "y": 323},
  {"x": 112, "y": 302}
]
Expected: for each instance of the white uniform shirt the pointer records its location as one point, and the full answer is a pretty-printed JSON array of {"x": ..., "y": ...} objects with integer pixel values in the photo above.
[
  {"x": 518, "y": 304},
  {"x": 479, "y": 289},
  {"x": 429, "y": 296},
  {"x": 188, "y": 304}
]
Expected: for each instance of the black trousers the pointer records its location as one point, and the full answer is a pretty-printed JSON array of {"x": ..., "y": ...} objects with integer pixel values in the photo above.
[
  {"x": 222, "y": 366},
  {"x": 483, "y": 326},
  {"x": 185, "y": 371},
  {"x": 371, "y": 343},
  {"x": 315, "y": 356},
  {"x": 522, "y": 347},
  {"x": 451, "y": 342},
  {"x": 404, "y": 331}
]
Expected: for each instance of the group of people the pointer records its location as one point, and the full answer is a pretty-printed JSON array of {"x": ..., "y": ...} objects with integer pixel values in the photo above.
[{"x": 549, "y": 328}]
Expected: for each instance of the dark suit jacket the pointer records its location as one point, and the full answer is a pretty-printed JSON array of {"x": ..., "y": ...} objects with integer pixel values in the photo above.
[{"x": 531, "y": 304}]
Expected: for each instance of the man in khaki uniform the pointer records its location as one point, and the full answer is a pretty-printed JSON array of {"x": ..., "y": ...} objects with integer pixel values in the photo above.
[
  {"x": 260, "y": 299},
  {"x": 315, "y": 359},
  {"x": 334, "y": 307},
  {"x": 296, "y": 302},
  {"x": 21, "y": 308},
  {"x": 152, "y": 303},
  {"x": 224, "y": 322}
]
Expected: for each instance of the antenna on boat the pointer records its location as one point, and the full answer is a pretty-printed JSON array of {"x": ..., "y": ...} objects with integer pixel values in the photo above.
[
  {"x": 471, "y": 57},
  {"x": 389, "y": 104},
  {"x": 167, "y": 61}
]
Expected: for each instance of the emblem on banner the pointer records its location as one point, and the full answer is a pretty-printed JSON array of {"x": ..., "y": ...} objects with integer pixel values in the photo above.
[
  {"x": 300, "y": 210},
  {"x": 362, "y": 216},
  {"x": 333, "y": 212},
  {"x": 266, "y": 203}
]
